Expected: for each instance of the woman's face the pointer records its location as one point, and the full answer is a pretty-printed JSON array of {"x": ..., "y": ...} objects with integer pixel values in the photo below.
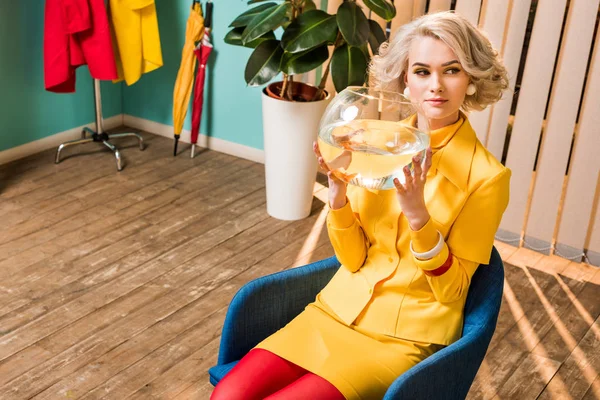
[{"x": 436, "y": 80}]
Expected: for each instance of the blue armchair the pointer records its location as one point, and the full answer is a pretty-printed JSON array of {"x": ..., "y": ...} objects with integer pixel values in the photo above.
[{"x": 266, "y": 304}]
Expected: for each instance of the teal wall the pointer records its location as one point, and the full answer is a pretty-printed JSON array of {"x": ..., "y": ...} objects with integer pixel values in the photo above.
[
  {"x": 27, "y": 111},
  {"x": 232, "y": 110}
]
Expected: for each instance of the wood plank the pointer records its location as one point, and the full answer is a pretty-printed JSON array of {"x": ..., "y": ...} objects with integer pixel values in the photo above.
[
  {"x": 57, "y": 245},
  {"x": 469, "y": 9},
  {"x": 140, "y": 378},
  {"x": 77, "y": 278},
  {"x": 203, "y": 335},
  {"x": 42, "y": 230},
  {"x": 543, "y": 301},
  {"x": 127, "y": 279},
  {"x": 404, "y": 14},
  {"x": 506, "y": 359},
  {"x": 321, "y": 252},
  {"x": 535, "y": 86},
  {"x": 494, "y": 24},
  {"x": 130, "y": 205},
  {"x": 524, "y": 257},
  {"x": 594, "y": 390},
  {"x": 562, "y": 112},
  {"x": 505, "y": 250},
  {"x": 438, "y": 5},
  {"x": 575, "y": 322},
  {"x": 523, "y": 321},
  {"x": 177, "y": 380},
  {"x": 100, "y": 192},
  {"x": 593, "y": 246},
  {"x": 98, "y": 156},
  {"x": 576, "y": 375},
  {"x": 553, "y": 265},
  {"x": 19, "y": 180},
  {"x": 87, "y": 342},
  {"x": 580, "y": 271},
  {"x": 199, "y": 390},
  {"x": 595, "y": 278},
  {"x": 419, "y": 8},
  {"x": 530, "y": 378},
  {"x": 62, "y": 179},
  {"x": 511, "y": 55},
  {"x": 134, "y": 211},
  {"x": 195, "y": 278}
]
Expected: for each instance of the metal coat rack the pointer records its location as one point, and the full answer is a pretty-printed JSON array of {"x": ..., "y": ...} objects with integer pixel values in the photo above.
[{"x": 99, "y": 135}]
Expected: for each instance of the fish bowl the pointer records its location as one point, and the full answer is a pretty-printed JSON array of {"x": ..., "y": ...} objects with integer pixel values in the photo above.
[{"x": 367, "y": 136}]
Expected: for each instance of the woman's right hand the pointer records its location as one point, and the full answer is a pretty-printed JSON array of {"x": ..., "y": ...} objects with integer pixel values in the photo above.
[{"x": 337, "y": 187}]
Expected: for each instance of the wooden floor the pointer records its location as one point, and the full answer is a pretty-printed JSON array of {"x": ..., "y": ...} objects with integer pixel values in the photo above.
[{"x": 115, "y": 285}]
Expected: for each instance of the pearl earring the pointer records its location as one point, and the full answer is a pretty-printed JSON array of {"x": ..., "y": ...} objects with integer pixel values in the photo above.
[
  {"x": 471, "y": 89},
  {"x": 407, "y": 92}
]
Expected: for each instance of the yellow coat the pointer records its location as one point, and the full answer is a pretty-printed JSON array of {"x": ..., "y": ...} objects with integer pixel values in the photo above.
[
  {"x": 381, "y": 314},
  {"x": 136, "y": 38},
  {"x": 466, "y": 193}
]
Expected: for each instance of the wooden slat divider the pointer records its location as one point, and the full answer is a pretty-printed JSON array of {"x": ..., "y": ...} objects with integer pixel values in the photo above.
[
  {"x": 530, "y": 110},
  {"x": 511, "y": 54},
  {"x": 560, "y": 122},
  {"x": 439, "y": 5},
  {"x": 493, "y": 24},
  {"x": 469, "y": 9}
]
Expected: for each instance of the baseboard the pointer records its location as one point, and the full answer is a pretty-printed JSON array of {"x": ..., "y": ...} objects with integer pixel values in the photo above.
[
  {"x": 48, "y": 142},
  {"x": 220, "y": 145}
]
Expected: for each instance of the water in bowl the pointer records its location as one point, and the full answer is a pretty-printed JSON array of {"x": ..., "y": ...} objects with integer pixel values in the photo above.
[{"x": 371, "y": 153}]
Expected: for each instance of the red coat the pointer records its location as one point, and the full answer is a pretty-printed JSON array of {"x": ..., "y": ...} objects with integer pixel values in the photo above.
[{"x": 76, "y": 32}]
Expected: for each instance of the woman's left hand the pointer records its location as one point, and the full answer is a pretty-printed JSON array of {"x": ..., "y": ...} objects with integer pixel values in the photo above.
[{"x": 411, "y": 194}]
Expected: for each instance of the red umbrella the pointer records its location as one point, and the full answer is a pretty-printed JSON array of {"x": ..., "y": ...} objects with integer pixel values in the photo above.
[{"x": 202, "y": 52}]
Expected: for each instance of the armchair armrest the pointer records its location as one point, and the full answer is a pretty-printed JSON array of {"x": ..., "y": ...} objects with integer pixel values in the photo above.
[{"x": 267, "y": 304}]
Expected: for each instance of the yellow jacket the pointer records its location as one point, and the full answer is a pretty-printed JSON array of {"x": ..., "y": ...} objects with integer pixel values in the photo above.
[
  {"x": 381, "y": 286},
  {"x": 136, "y": 38}
]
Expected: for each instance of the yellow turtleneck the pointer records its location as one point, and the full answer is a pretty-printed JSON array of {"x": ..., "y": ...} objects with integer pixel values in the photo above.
[
  {"x": 438, "y": 138},
  {"x": 426, "y": 238}
]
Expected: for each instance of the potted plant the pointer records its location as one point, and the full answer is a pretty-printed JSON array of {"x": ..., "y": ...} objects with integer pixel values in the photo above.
[{"x": 293, "y": 37}]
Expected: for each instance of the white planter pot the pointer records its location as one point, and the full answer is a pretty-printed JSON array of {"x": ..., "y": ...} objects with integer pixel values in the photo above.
[{"x": 289, "y": 130}]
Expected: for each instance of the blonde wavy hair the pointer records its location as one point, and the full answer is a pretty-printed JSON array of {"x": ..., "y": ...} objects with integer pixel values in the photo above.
[{"x": 474, "y": 51}]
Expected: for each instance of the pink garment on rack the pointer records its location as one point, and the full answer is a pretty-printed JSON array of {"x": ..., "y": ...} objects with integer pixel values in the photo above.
[{"x": 76, "y": 32}]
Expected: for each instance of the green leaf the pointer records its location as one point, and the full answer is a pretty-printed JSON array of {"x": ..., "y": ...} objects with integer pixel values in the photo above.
[
  {"x": 264, "y": 62},
  {"x": 382, "y": 8},
  {"x": 245, "y": 18},
  {"x": 308, "y": 5},
  {"x": 348, "y": 67},
  {"x": 376, "y": 37},
  {"x": 288, "y": 18},
  {"x": 365, "y": 49},
  {"x": 255, "y": 1},
  {"x": 267, "y": 36},
  {"x": 309, "y": 30},
  {"x": 353, "y": 24},
  {"x": 234, "y": 37},
  {"x": 267, "y": 20},
  {"x": 299, "y": 63}
]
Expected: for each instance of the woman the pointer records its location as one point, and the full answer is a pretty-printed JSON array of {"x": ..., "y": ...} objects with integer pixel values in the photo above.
[{"x": 408, "y": 254}]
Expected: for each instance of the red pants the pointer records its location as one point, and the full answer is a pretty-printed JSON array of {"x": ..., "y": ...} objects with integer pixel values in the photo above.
[{"x": 261, "y": 374}]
